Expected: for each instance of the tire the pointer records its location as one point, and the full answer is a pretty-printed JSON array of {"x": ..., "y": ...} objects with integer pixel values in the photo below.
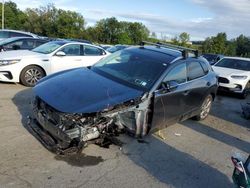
[
  {"x": 243, "y": 95},
  {"x": 30, "y": 75},
  {"x": 245, "y": 92},
  {"x": 205, "y": 108}
]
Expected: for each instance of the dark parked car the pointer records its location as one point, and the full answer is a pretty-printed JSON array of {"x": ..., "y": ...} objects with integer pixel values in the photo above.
[
  {"x": 139, "y": 90},
  {"x": 106, "y": 46},
  {"x": 116, "y": 48},
  {"x": 8, "y": 33},
  {"x": 212, "y": 58},
  {"x": 20, "y": 43}
]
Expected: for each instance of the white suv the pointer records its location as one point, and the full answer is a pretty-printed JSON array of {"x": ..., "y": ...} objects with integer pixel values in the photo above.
[
  {"x": 234, "y": 75},
  {"x": 28, "y": 67}
]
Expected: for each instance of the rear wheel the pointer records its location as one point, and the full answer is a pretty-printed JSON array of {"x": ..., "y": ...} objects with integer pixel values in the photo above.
[
  {"x": 205, "y": 108},
  {"x": 30, "y": 75}
]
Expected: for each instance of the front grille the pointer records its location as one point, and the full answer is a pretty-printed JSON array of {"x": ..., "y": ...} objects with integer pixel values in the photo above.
[{"x": 223, "y": 80}]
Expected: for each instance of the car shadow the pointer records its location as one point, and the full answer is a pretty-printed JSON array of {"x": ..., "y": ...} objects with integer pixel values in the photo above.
[
  {"x": 173, "y": 167},
  {"x": 227, "y": 106},
  {"x": 218, "y": 135},
  {"x": 7, "y": 83},
  {"x": 23, "y": 100}
]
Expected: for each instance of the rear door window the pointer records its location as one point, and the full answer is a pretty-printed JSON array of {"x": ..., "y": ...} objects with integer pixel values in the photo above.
[
  {"x": 28, "y": 44},
  {"x": 72, "y": 50},
  {"x": 14, "y": 45},
  {"x": 92, "y": 51},
  {"x": 194, "y": 70},
  {"x": 177, "y": 74}
]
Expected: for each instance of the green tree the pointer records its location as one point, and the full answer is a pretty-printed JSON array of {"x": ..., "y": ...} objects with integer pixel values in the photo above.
[
  {"x": 53, "y": 22},
  {"x": 243, "y": 46},
  {"x": 13, "y": 17},
  {"x": 184, "y": 38},
  {"x": 215, "y": 44},
  {"x": 181, "y": 40},
  {"x": 107, "y": 30},
  {"x": 231, "y": 48},
  {"x": 138, "y": 32},
  {"x": 111, "y": 31}
]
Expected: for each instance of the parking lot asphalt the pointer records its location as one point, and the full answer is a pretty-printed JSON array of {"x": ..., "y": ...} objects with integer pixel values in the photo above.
[{"x": 190, "y": 154}]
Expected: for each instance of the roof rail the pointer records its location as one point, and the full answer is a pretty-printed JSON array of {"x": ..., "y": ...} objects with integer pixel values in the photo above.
[{"x": 184, "y": 51}]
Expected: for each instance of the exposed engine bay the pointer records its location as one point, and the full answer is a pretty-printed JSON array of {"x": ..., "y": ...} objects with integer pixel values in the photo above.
[{"x": 68, "y": 133}]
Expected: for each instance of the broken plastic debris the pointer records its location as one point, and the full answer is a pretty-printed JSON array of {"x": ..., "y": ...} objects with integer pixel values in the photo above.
[{"x": 177, "y": 134}]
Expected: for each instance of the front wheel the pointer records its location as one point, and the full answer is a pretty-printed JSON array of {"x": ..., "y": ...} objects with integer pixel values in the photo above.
[
  {"x": 30, "y": 75},
  {"x": 205, "y": 108}
]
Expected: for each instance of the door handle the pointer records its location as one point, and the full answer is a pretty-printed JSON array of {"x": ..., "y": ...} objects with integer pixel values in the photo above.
[
  {"x": 77, "y": 59},
  {"x": 208, "y": 84}
]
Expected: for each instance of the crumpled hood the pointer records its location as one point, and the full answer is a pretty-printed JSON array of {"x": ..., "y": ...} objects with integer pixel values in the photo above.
[
  {"x": 19, "y": 54},
  {"x": 83, "y": 91},
  {"x": 226, "y": 72}
]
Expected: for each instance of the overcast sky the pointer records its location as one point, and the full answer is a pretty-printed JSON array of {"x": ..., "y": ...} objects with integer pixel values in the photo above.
[{"x": 200, "y": 18}]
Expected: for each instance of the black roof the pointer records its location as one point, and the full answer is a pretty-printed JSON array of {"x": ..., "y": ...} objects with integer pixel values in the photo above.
[
  {"x": 159, "y": 54},
  {"x": 167, "y": 51}
]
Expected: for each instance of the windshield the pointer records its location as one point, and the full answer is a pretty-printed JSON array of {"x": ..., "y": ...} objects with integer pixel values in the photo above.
[
  {"x": 234, "y": 64},
  {"x": 134, "y": 69},
  {"x": 49, "y": 47}
]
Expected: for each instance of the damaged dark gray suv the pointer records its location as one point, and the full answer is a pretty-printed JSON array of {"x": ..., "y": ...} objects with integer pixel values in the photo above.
[{"x": 137, "y": 90}]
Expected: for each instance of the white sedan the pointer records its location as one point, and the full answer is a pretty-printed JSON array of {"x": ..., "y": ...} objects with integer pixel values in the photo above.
[
  {"x": 28, "y": 67},
  {"x": 234, "y": 75}
]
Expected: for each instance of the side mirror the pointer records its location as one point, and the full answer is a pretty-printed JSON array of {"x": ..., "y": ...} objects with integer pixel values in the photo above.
[
  {"x": 170, "y": 85},
  {"x": 60, "y": 54}
]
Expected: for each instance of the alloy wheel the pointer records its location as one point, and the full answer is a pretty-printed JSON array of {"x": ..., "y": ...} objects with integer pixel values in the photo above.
[
  {"x": 206, "y": 107},
  {"x": 32, "y": 76}
]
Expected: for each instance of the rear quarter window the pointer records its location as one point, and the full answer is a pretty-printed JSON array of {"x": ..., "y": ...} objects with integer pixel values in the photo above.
[
  {"x": 92, "y": 51},
  {"x": 177, "y": 74},
  {"x": 204, "y": 67},
  {"x": 194, "y": 70}
]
